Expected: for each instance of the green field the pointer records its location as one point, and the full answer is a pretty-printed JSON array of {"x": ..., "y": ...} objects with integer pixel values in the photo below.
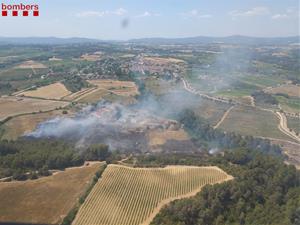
[
  {"x": 289, "y": 104},
  {"x": 249, "y": 121},
  {"x": 293, "y": 123}
]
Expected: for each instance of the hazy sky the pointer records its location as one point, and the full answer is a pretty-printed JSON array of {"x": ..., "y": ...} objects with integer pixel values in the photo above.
[{"x": 125, "y": 19}]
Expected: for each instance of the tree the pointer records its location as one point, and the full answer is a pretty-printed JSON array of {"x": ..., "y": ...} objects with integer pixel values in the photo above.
[{"x": 97, "y": 152}]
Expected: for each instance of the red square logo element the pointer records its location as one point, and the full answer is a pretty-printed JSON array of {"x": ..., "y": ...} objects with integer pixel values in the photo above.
[
  {"x": 14, "y": 13},
  {"x": 35, "y": 13},
  {"x": 4, "y": 13},
  {"x": 25, "y": 13}
]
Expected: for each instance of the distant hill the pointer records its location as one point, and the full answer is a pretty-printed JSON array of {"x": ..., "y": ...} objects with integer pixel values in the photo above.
[
  {"x": 44, "y": 40},
  {"x": 237, "y": 39}
]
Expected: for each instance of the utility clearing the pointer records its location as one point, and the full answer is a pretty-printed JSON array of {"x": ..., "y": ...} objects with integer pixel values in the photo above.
[{"x": 132, "y": 196}]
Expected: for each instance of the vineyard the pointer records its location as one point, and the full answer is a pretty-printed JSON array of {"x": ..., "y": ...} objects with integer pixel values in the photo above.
[{"x": 131, "y": 196}]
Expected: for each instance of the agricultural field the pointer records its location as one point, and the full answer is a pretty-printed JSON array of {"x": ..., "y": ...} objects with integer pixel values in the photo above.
[
  {"x": 160, "y": 86},
  {"x": 46, "y": 200},
  {"x": 210, "y": 110},
  {"x": 291, "y": 105},
  {"x": 92, "y": 96},
  {"x": 111, "y": 90},
  {"x": 262, "y": 81},
  {"x": 125, "y": 100},
  {"x": 15, "y": 74},
  {"x": 31, "y": 65},
  {"x": 250, "y": 121},
  {"x": 293, "y": 123},
  {"x": 122, "y": 88},
  {"x": 162, "y": 61},
  {"x": 12, "y": 106},
  {"x": 77, "y": 95},
  {"x": 51, "y": 91},
  {"x": 91, "y": 57},
  {"x": 161, "y": 137},
  {"x": 288, "y": 89},
  {"x": 132, "y": 196},
  {"x": 20, "y": 125}
]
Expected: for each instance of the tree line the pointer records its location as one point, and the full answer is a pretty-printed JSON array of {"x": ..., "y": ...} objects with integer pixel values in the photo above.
[
  {"x": 264, "y": 191},
  {"x": 201, "y": 131},
  {"x": 30, "y": 158}
]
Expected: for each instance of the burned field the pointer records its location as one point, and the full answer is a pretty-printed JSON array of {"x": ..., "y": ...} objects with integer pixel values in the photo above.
[{"x": 127, "y": 129}]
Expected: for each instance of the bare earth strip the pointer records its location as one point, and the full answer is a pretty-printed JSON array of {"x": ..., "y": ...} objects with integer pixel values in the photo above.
[
  {"x": 125, "y": 88},
  {"x": 223, "y": 117},
  {"x": 132, "y": 196},
  {"x": 46, "y": 200}
]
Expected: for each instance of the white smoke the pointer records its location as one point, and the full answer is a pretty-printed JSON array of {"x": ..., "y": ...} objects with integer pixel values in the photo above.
[
  {"x": 109, "y": 123},
  {"x": 213, "y": 151}
]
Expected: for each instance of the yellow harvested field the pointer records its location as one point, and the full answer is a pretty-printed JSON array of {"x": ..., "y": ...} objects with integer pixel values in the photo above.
[
  {"x": 159, "y": 60},
  {"x": 132, "y": 196},
  {"x": 91, "y": 57},
  {"x": 123, "y": 88},
  {"x": 51, "y": 91},
  {"x": 31, "y": 65},
  {"x": 161, "y": 137},
  {"x": 46, "y": 200},
  {"x": 78, "y": 94},
  {"x": 112, "y": 83},
  {"x": 55, "y": 59},
  {"x": 21, "y": 125},
  {"x": 289, "y": 89},
  {"x": 93, "y": 96},
  {"x": 102, "y": 89},
  {"x": 12, "y": 106}
]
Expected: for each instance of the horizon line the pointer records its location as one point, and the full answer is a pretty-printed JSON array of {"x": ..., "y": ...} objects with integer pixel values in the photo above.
[{"x": 150, "y": 37}]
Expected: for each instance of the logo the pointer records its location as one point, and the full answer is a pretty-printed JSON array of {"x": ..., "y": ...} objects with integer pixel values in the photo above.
[{"x": 19, "y": 10}]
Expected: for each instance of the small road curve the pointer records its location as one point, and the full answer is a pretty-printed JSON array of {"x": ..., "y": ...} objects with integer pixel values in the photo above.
[
  {"x": 192, "y": 90},
  {"x": 252, "y": 101},
  {"x": 223, "y": 117},
  {"x": 284, "y": 128}
]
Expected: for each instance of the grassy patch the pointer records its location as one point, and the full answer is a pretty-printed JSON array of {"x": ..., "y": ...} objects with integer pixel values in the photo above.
[
  {"x": 294, "y": 123},
  {"x": 249, "y": 121}
]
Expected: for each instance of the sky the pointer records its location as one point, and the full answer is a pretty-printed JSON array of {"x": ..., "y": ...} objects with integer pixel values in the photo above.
[{"x": 127, "y": 19}]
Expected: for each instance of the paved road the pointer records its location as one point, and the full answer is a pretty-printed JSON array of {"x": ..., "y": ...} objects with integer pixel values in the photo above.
[
  {"x": 282, "y": 126},
  {"x": 192, "y": 90}
]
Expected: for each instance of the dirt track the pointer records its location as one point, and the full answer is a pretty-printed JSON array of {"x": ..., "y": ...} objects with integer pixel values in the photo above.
[
  {"x": 190, "y": 89},
  {"x": 282, "y": 126},
  {"x": 223, "y": 117}
]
